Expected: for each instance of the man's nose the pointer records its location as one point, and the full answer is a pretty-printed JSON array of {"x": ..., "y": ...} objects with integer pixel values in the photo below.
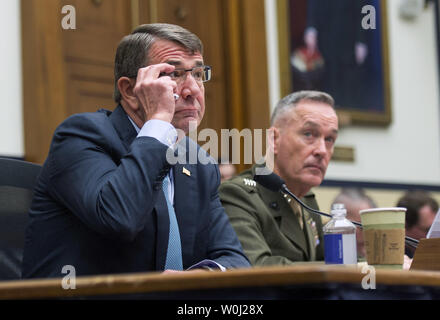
[
  {"x": 320, "y": 148},
  {"x": 190, "y": 87}
]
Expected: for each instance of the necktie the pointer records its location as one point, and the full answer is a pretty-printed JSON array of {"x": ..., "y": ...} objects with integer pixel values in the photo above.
[{"x": 174, "y": 251}]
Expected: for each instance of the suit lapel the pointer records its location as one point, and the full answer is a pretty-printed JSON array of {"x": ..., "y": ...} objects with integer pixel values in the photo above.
[{"x": 123, "y": 126}]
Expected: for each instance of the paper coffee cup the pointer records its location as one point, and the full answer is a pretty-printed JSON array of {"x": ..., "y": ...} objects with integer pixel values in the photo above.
[{"x": 384, "y": 236}]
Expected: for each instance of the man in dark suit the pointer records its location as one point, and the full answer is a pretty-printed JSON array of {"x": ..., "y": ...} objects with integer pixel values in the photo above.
[{"x": 110, "y": 198}]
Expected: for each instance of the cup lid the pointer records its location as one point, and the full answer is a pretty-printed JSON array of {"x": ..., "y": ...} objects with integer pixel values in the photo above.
[{"x": 382, "y": 209}]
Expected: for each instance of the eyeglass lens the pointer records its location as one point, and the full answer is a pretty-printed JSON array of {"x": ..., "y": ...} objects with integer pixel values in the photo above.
[{"x": 200, "y": 73}]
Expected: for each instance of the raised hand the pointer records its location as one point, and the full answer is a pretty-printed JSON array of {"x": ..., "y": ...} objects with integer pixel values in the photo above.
[{"x": 155, "y": 92}]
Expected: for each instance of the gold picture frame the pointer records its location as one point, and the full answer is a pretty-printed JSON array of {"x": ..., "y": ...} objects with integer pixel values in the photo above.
[{"x": 380, "y": 114}]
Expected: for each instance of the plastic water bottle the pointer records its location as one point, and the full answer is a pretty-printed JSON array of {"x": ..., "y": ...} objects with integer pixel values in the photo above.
[{"x": 339, "y": 238}]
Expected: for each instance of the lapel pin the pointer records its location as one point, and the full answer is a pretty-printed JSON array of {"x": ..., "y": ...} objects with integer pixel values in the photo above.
[{"x": 186, "y": 171}]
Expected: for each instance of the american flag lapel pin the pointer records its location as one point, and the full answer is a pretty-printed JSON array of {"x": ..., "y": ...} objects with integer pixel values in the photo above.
[{"x": 186, "y": 171}]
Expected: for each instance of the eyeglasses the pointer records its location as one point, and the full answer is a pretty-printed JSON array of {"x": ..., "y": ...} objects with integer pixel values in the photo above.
[{"x": 199, "y": 73}]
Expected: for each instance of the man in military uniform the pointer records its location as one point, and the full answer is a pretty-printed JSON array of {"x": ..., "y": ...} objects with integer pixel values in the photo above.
[{"x": 273, "y": 228}]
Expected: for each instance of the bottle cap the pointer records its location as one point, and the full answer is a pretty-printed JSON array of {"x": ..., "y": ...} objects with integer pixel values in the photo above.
[
  {"x": 338, "y": 206},
  {"x": 338, "y": 209}
]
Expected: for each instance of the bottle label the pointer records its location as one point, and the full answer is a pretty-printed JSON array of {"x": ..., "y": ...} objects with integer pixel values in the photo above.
[{"x": 340, "y": 248}]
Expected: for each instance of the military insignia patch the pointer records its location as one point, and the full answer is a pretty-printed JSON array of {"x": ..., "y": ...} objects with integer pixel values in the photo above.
[{"x": 249, "y": 182}]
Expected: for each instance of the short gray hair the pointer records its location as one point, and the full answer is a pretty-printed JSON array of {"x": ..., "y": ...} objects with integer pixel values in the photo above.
[
  {"x": 354, "y": 195},
  {"x": 133, "y": 50},
  {"x": 292, "y": 100}
]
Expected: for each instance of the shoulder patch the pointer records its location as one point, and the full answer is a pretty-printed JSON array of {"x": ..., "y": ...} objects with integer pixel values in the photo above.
[{"x": 249, "y": 182}]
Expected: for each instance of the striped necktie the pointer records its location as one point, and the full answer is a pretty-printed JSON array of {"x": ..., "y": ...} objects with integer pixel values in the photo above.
[{"x": 174, "y": 251}]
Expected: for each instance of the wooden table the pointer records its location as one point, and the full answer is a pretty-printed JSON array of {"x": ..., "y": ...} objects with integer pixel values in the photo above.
[{"x": 213, "y": 284}]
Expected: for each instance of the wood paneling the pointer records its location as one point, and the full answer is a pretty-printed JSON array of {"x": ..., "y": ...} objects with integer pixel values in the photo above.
[
  {"x": 89, "y": 52},
  {"x": 246, "y": 64},
  {"x": 255, "y": 67},
  {"x": 44, "y": 81},
  {"x": 67, "y": 71}
]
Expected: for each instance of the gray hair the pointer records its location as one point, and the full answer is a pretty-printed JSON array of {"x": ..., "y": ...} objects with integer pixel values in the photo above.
[
  {"x": 291, "y": 101},
  {"x": 352, "y": 195},
  {"x": 133, "y": 50}
]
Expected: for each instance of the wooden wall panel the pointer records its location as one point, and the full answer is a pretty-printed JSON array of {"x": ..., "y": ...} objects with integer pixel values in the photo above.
[
  {"x": 246, "y": 65},
  {"x": 67, "y": 71},
  {"x": 255, "y": 68},
  {"x": 89, "y": 52},
  {"x": 44, "y": 79},
  {"x": 99, "y": 28}
]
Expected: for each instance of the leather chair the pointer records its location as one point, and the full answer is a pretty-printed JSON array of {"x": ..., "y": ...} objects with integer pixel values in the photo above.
[{"x": 17, "y": 180}]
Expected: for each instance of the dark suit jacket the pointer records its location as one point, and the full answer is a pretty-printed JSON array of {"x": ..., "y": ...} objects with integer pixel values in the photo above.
[{"x": 99, "y": 204}]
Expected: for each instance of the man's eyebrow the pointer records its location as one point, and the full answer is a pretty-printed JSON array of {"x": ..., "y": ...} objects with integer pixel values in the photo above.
[
  {"x": 179, "y": 63},
  {"x": 314, "y": 125},
  {"x": 311, "y": 124},
  {"x": 174, "y": 62}
]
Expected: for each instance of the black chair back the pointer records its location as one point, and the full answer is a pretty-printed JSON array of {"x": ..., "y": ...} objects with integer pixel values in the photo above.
[{"x": 17, "y": 181}]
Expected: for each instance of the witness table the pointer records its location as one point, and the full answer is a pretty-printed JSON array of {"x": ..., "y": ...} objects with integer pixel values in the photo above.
[{"x": 302, "y": 281}]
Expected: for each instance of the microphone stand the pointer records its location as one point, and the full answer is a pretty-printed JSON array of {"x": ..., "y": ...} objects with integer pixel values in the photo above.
[{"x": 409, "y": 241}]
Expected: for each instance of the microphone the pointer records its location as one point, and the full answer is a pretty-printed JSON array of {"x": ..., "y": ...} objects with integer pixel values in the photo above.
[{"x": 274, "y": 183}]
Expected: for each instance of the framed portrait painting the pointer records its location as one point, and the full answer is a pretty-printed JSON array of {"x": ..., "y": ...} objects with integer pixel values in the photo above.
[{"x": 339, "y": 47}]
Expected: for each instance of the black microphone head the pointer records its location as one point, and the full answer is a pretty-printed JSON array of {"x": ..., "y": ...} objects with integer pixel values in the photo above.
[{"x": 270, "y": 181}]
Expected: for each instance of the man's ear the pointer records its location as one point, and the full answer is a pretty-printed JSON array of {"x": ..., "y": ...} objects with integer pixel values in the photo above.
[
  {"x": 273, "y": 139},
  {"x": 126, "y": 86}
]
